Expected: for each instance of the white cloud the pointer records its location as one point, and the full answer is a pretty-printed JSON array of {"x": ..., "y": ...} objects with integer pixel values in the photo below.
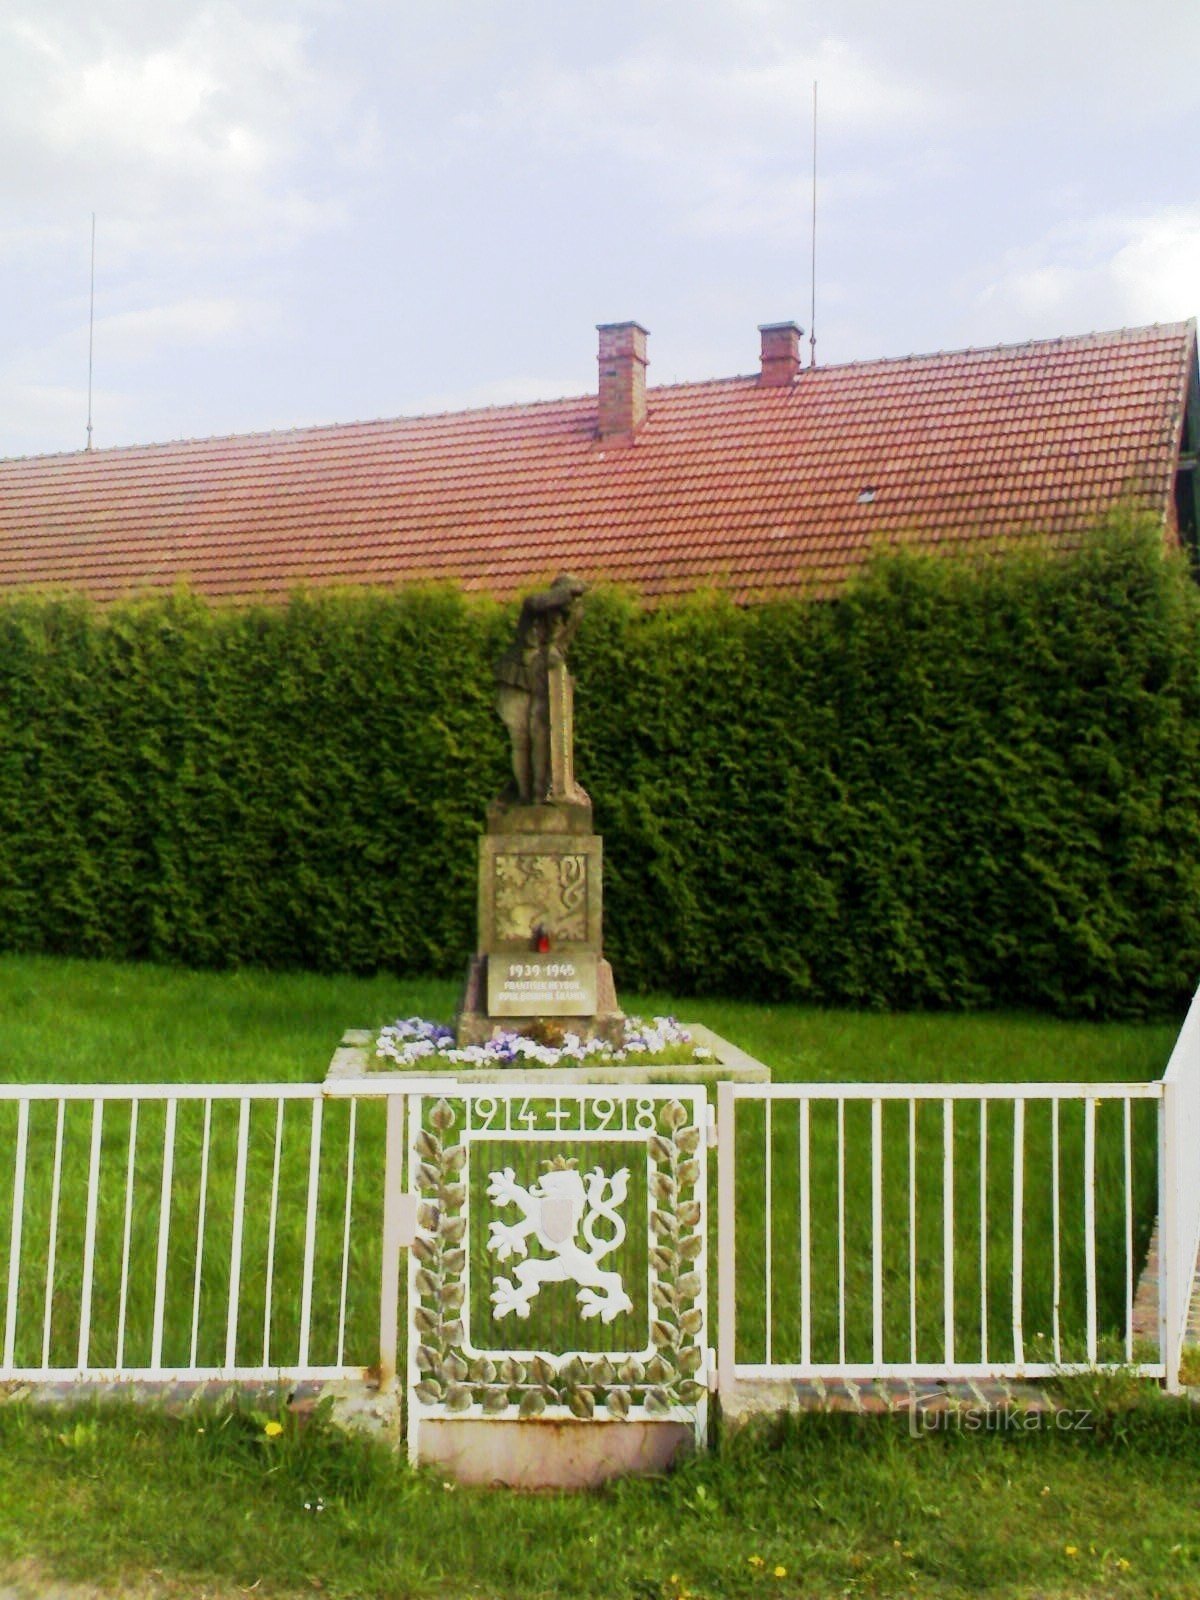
[
  {"x": 192, "y": 127},
  {"x": 1158, "y": 269},
  {"x": 32, "y": 412},
  {"x": 1108, "y": 271},
  {"x": 503, "y": 392},
  {"x": 138, "y": 352},
  {"x": 153, "y": 330},
  {"x": 726, "y": 140},
  {"x": 154, "y": 106},
  {"x": 652, "y": 102}
]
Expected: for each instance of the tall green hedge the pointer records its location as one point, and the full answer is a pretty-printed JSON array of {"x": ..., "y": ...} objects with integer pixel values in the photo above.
[{"x": 961, "y": 784}]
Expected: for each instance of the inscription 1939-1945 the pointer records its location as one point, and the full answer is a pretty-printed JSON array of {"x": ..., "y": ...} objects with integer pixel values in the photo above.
[{"x": 548, "y": 986}]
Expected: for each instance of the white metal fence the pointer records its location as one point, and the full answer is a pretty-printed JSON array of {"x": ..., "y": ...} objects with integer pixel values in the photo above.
[
  {"x": 195, "y": 1231},
  {"x": 935, "y": 1230},
  {"x": 863, "y": 1230},
  {"x": 1179, "y": 1185}
]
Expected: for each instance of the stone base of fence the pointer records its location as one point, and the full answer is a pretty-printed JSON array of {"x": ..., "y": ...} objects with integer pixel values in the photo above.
[
  {"x": 1145, "y": 1303},
  {"x": 1145, "y": 1300},
  {"x": 881, "y": 1397},
  {"x": 358, "y": 1406}
]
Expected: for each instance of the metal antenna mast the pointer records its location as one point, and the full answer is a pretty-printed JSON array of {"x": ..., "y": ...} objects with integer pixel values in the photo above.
[
  {"x": 91, "y": 330},
  {"x": 812, "y": 315}
]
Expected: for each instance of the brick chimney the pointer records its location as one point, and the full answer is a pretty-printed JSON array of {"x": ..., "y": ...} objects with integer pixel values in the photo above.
[
  {"x": 622, "y": 380},
  {"x": 780, "y": 353}
]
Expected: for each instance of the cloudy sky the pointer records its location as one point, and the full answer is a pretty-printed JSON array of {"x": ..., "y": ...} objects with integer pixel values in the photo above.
[{"x": 314, "y": 211}]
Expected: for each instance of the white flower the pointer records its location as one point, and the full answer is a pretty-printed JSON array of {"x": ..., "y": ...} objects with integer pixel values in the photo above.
[{"x": 413, "y": 1039}]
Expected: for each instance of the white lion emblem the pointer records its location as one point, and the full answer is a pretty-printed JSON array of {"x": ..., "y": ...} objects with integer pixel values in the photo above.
[{"x": 553, "y": 1209}]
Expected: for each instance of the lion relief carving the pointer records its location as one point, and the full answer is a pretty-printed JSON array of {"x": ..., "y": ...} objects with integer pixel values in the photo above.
[{"x": 560, "y": 1212}]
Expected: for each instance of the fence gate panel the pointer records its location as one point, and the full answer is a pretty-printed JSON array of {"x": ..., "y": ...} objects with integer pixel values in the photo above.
[{"x": 558, "y": 1265}]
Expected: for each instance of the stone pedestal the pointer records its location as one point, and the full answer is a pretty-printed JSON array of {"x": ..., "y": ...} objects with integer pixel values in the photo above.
[
  {"x": 539, "y": 966},
  {"x": 541, "y": 1454}
]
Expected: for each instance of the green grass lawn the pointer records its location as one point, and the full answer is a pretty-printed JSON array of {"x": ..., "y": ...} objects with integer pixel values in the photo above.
[
  {"x": 99, "y": 1021},
  {"x": 207, "y": 1503}
]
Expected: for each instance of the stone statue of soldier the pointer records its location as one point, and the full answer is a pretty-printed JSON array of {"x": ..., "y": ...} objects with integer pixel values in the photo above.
[
  {"x": 539, "y": 962},
  {"x": 546, "y": 626}
]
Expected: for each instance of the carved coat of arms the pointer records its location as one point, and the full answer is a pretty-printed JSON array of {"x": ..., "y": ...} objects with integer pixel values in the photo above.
[{"x": 556, "y": 1211}]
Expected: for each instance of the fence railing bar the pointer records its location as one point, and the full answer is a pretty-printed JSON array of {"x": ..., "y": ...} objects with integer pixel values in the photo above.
[
  {"x": 1168, "y": 1293},
  {"x": 310, "y": 1231},
  {"x": 164, "y": 1234},
  {"x": 1018, "y": 1246},
  {"x": 341, "y": 1336},
  {"x": 91, "y": 1092},
  {"x": 14, "y": 1237},
  {"x": 1129, "y": 1285},
  {"x": 493, "y": 1135},
  {"x": 201, "y": 1215},
  {"x": 805, "y": 1237},
  {"x": 770, "y": 1234},
  {"x": 948, "y": 1230},
  {"x": 983, "y": 1232},
  {"x": 1055, "y": 1233},
  {"x": 912, "y": 1230},
  {"x": 946, "y": 1091},
  {"x": 235, "y": 1243},
  {"x": 127, "y": 1233},
  {"x": 272, "y": 1221},
  {"x": 841, "y": 1212},
  {"x": 1089, "y": 1220},
  {"x": 89, "y": 1234},
  {"x": 394, "y": 1199},
  {"x": 859, "y": 1370},
  {"x": 877, "y": 1230},
  {"x": 245, "y": 1373},
  {"x": 52, "y": 1242}
]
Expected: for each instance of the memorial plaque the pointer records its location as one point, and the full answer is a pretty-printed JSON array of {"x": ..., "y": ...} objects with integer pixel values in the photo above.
[{"x": 528, "y": 985}]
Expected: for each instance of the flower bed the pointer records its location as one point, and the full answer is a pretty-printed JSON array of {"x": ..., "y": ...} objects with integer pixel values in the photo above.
[{"x": 415, "y": 1042}]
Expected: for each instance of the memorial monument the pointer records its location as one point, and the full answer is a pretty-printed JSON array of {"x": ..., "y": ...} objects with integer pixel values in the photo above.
[{"x": 539, "y": 961}]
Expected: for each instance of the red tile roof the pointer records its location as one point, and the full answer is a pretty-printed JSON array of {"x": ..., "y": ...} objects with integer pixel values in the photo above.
[{"x": 760, "y": 490}]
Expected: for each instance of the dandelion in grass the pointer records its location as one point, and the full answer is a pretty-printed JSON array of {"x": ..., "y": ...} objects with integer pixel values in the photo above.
[
  {"x": 273, "y": 1429},
  {"x": 1070, "y": 1549},
  {"x": 780, "y": 1572},
  {"x": 755, "y": 1561}
]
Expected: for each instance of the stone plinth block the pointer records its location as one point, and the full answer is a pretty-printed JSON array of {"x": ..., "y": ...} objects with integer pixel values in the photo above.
[
  {"x": 478, "y": 1021},
  {"x": 550, "y": 882},
  {"x": 539, "y": 961}
]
